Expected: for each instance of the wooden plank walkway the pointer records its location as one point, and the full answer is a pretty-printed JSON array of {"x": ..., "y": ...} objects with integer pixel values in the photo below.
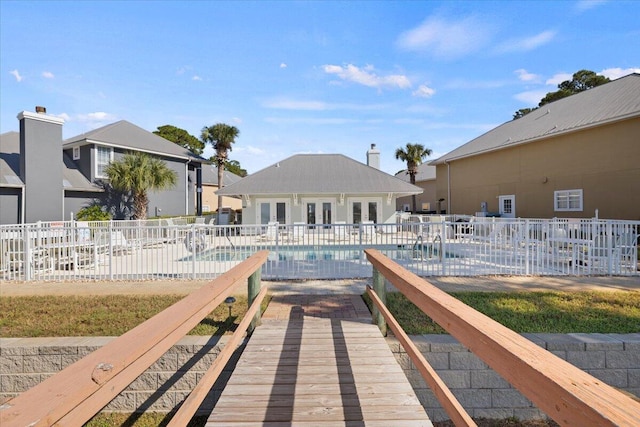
[{"x": 318, "y": 361}]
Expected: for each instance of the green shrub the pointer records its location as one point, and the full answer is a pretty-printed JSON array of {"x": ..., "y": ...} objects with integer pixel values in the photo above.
[{"x": 93, "y": 213}]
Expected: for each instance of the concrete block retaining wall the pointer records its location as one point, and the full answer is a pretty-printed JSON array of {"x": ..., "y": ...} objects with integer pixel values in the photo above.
[
  {"x": 612, "y": 358},
  {"x": 25, "y": 362}
]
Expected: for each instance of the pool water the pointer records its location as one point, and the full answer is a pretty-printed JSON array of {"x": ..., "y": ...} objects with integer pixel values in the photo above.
[{"x": 309, "y": 253}]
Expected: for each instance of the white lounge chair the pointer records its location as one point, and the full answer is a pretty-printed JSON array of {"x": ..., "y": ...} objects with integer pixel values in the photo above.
[
  {"x": 340, "y": 231},
  {"x": 368, "y": 230},
  {"x": 299, "y": 231},
  {"x": 271, "y": 233}
]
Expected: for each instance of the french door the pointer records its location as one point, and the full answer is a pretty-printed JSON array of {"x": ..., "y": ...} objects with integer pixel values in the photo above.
[
  {"x": 319, "y": 211},
  {"x": 272, "y": 211},
  {"x": 364, "y": 210}
]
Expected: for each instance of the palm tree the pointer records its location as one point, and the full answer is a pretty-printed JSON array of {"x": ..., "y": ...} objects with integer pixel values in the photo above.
[
  {"x": 138, "y": 173},
  {"x": 221, "y": 136},
  {"x": 413, "y": 154}
]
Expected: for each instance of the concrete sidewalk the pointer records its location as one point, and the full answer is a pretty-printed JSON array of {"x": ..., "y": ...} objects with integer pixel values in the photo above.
[{"x": 327, "y": 287}]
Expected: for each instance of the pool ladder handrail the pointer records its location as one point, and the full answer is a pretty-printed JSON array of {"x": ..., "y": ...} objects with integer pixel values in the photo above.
[
  {"x": 415, "y": 247},
  {"x": 438, "y": 239}
]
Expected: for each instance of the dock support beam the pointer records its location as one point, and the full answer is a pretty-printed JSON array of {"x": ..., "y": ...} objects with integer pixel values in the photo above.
[
  {"x": 254, "y": 284},
  {"x": 379, "y": 286}
]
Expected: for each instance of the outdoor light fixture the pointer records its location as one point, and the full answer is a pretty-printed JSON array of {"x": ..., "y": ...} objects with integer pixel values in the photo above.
[{"x": 230, "y": 301}]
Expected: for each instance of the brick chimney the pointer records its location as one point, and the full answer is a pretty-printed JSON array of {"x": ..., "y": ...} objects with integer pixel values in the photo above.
[
  {"x": 41, "y": 165},
  {"x": 373, "y": 157}
]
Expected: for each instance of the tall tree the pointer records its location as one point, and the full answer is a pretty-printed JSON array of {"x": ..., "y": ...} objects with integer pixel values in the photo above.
[
  {"x": 181, "y": 137},
  {"x": 222, "y": 137},
  {"x": 233, "y": 166},
  {"x": 413, "y": 154},
  {"x": 139, "y": 173},
  {"x": 580, "y": 81}
]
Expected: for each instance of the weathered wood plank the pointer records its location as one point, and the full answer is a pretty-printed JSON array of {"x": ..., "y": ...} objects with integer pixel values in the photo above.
[
  {"x": 318, "y": 423},
  {"x": 324, "y": 413},
  {"x": 398, "y": 399}
]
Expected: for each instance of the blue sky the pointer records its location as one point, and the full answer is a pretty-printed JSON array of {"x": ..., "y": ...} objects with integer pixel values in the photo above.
[{"x": 305, "y": 77}]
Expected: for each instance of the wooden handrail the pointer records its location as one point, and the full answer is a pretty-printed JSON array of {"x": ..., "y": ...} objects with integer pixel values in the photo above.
[
  {"x": 191, "y": 404},
  {"x": 75, "y": 394},
  {"x": 449, "y": 402},
  {"x": 565, "y": 393}
]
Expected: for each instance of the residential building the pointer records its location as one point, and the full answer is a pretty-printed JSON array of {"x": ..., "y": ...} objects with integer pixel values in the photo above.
[
  {"x": 320, "y": 189},
  {"x": 210, "y": 186},
  {"x": 576, "y": 157},
  {"x": 43, "y": 178}
]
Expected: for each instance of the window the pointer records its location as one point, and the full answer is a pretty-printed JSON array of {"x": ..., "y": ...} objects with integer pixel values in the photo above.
[
  {"x": 76, "y": 153},
  {"x": 104, "y": 155},
  {"x": 426, "y": 207},
  {"x": 567, "y": 200}
]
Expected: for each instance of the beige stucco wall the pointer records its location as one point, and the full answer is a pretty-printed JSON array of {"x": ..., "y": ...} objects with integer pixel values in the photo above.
[
  {"x": 428, "y": 196},
  {"x": 210, "y": 198},
  {"x": 604, "y": 162}
]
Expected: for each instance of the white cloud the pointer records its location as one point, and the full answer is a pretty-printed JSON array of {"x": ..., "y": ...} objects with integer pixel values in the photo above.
[
  {"x": 526, "y": 44},
  {"x": 616, "y": 73},
  {"x": 196, "y": 78},
  {"x": 584, "y": 5},
  {"x": 447, "y": 38},
  {"x": 290, "y": 104},
  {"x": 526, "y": 76},
  {"x": 556, "y": 79},
  {"x": 63, "y": 116},
  {"x": 424, "y": 91},
  {"x": 283, "y": 65},
  {"x": 47, "y": 75},
  {"x": 366, "y": 76},
  {"x": 17, "y": 75},
  {"x": 94, "y": 119},
  {"x": 531, "y": 97}
]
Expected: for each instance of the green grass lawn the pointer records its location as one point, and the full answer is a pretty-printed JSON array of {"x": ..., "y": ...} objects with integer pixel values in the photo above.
[
  {"x": 552, "y": 312},
  {"x": 112, "y": 315}
]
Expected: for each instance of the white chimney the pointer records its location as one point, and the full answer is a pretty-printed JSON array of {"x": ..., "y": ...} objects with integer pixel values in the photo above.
[{"x": 373, "y": 157}]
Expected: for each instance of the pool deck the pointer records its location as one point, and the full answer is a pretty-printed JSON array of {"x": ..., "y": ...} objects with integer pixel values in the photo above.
[{"x": 327, "y": 287}]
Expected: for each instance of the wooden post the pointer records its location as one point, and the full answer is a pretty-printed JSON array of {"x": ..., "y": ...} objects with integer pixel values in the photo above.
[
  {"x": 253, "y": 283},
  {"x": 379, "y": 287}
]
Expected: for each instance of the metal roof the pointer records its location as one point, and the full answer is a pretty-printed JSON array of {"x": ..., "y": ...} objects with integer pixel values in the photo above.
[
  {"x": 319, "y": 174},
  {"x": 614, "y": 101},
  {"x": 210, "y": 175},
  {"x": 128, "y": 136}
]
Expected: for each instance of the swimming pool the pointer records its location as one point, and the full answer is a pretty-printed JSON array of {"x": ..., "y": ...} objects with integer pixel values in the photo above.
[{"x": 311, "y": 253}]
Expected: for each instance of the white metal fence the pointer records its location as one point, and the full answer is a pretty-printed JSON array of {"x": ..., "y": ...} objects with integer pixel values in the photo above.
[{"x": 181, "y": 248}]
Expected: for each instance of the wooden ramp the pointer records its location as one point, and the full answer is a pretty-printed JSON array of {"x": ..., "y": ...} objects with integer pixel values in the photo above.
[{"x": 317, "y": 361}]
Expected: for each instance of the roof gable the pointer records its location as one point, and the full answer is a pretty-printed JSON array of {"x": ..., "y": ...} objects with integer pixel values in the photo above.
[
  {"x": 126, "y": 135},
  {"x": 319, "y": 174},
  {"x": 613, "y": 101}
]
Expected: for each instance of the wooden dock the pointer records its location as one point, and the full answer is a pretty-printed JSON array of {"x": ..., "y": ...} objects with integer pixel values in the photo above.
[{"x": 317, "y": 361}]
